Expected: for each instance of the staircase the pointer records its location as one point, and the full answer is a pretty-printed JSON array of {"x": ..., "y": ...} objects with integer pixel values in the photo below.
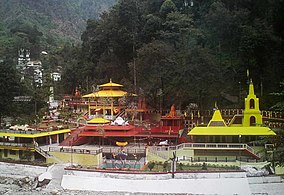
[
  {"x": 251, "y": 151},
  {"x": 121, "y": 114},
  {"x": 46, "y": 155},
  {"x": 74, "y": 138}
]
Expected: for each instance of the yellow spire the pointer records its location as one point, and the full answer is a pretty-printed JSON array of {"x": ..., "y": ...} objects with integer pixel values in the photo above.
[
  {"x": 217, "y": 119},
  {"x": 252, "y": 114},
  {"x": 251, "y": 88}
]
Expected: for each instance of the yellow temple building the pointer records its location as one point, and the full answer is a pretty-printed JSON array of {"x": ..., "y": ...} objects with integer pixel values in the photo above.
[
  {"x": 108, "y": 101},
  {"x": 248, "y": 124},
  {"x": 24, "y": 145},
  {"x": 242, "y": 129}
]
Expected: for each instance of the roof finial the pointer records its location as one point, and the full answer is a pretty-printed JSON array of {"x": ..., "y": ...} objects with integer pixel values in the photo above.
[
  {"x": 251, "y": 88},
  {"x": 215, "y": 107},
  {"x": 110, "y": 80}
]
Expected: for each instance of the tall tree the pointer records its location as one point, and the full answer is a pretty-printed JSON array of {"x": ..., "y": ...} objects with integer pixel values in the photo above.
[{"x": 9, "y": 87}]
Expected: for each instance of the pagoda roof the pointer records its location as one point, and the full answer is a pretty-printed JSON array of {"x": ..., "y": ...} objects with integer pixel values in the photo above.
[
  {"x": 106, "y": 93},
  {"x": 108, "y": 90},
  {"x": 111, "y": 84},
  {"x": 223, "y": 130},
  {"x": 110, "y": 127},
  {"x": 98, "y": 121}
]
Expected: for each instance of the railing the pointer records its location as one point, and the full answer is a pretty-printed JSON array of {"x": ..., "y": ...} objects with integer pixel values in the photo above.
[
  {"x": 75, "y": 150},
  {"x": 218, "y": 159},
  {"x": 19, "y": 145},
  {"x": 46, "y": 154},
  {"x": 127, "y": 150},
  {"x": 42, "y": 152},
  {"x": 133, "y": 164},
  {"x": 232, "y": 112},
  {"x": 31, "y": 132},
  {"x": 157, "y": 149},
  {"x": 208, "y": 146}
]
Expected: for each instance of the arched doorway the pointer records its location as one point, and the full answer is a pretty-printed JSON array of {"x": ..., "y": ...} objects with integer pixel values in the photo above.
[{"x": 252, "y": 121}]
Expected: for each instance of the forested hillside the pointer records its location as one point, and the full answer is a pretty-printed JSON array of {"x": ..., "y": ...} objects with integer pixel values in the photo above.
[
  {"x": 182, "y": 51},
  {"x": 170, "y": 51},
  {"x": 41, "y": 24}
]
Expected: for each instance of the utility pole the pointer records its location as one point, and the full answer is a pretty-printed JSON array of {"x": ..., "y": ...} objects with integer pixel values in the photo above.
[{"x": 173, "y": 164}]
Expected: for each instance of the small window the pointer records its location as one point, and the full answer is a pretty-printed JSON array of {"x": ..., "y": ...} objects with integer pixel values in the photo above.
[
  {"x": 251, "y": 104},
  {"x": 13, "y": 152},
  {"x": 5, "y": 152}
]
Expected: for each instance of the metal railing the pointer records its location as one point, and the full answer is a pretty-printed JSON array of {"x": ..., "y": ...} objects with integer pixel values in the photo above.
[
  {"x": 75, "y": 150},
  {"x": 19, "y": 145},
  {"x": 228, "y": 146},
  {"x": 31, "y": 132},
  {"x": 127, "y": 150},
  {"x": 232, "y": 112},
  {"x": 42, "y": 152}
]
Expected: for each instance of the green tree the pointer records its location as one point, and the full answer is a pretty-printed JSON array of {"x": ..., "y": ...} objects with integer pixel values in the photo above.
[
  {"x": 151, "y": 165},
  {"x": 279, "y": 106},
  {"x": 276, "y": 155},
  {"x": 167, "y": 7},
  {"x": 9, "y": 87}
]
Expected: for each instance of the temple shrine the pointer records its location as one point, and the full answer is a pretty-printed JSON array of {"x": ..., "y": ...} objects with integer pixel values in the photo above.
[{"x": 242, "y": 129}]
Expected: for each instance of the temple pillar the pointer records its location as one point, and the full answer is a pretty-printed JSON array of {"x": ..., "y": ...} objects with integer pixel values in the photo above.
[{"x": 50, "y": 140}]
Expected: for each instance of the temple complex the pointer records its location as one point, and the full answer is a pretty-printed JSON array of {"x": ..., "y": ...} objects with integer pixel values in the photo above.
[{"x": 117, "y": 122}]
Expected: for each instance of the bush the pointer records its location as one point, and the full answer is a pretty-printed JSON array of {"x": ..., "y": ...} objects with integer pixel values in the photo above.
[
  {"x": 180, "y": 166},
  {"x": 165, "y": 166},
  {"x": 151, "y": 165},
  {"x": 204, "y": 166}
]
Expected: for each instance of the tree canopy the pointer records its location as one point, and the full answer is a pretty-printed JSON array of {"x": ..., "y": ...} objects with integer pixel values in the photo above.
[{"x": 192, "y": 52}]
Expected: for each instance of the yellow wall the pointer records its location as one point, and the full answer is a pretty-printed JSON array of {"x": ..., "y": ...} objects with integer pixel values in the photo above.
[
  {"x": 279, "y": 170},
  {"x": 154, "y": 158},
  {"x": 80, "y": 159}
]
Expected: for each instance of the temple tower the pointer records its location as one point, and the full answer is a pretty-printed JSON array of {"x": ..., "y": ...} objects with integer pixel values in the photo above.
[{"x": 252, "y": 114}]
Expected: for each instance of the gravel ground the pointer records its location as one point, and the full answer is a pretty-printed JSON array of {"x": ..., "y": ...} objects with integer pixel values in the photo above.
[
  {"x": 27, "y": 186},
  {"x": 16, "y": 179}
]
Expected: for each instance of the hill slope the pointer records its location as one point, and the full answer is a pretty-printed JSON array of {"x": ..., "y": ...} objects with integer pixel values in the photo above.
[{"x": 55, "y": 19}]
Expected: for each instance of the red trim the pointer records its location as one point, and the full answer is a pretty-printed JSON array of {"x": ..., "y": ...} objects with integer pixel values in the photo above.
[
  {"x": 108, "y": 134},
  {"x": 157, "y": 135},
  {"x": 109, "y": 127},
  {"x": 125, "y": 134}
]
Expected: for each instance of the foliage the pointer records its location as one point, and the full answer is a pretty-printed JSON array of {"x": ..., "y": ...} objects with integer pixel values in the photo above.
[
  {"x": 204, "y": 166},
  {"x": 9, "y": 87},
  {"x": 183, "y": 166},
  {"x": 167, "y": 7},
  {"x": 278, "y": 139},
  {"x": 177, "y": 53},
  {"x": 277, "y": 156},
  {"x": 63, "y": 19},
  {"x": 165, "y": 166},
  {"x": 191, "y": 54},
  {"x": 279, "y": 106},
  {"x": 151, "y": 165}
]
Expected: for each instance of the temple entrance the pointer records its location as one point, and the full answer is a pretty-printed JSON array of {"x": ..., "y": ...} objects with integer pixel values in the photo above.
[{"x": 252, "y": 121}]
